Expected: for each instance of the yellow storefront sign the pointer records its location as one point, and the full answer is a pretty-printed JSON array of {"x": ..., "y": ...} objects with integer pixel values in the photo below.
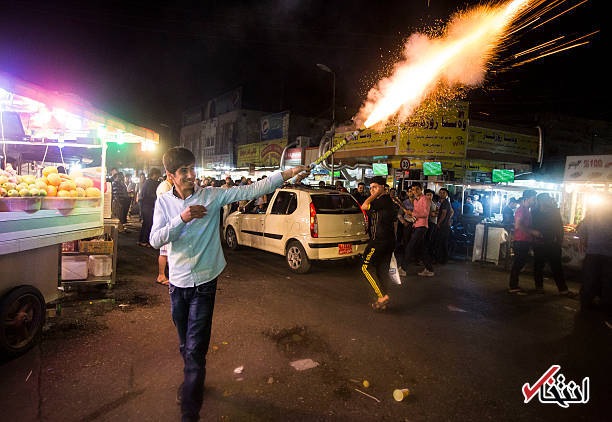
[
  {"x": 370, "y": 138},
  {"x": 248, "y": 154},
  {"x": 503, "y": 142},
  {"x": 271, "y": 151},
  {"x": 265, "y": 153},
  {"x": 439, "y": 134}
]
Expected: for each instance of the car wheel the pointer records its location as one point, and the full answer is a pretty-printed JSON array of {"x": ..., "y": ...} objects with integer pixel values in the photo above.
[
  {"x": 22, "y": 316},
  {"x": 297, "y": 260},
  {"x": 231, "y": 239}
]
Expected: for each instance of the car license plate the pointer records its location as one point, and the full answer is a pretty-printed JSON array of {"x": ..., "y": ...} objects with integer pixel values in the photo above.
[{"x": 345, "y": 248}]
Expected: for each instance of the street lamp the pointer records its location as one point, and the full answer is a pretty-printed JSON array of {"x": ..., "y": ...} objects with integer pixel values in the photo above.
[{"x": 328, "y": 70}]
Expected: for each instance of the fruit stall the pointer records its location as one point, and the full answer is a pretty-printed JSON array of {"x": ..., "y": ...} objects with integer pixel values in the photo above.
[{"x": 55, "y": 225}]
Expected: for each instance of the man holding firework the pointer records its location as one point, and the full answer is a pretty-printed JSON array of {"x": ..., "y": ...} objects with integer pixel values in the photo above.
[
  {"x": 187, "y": 220},
  {"x": 377, "y": 254}
]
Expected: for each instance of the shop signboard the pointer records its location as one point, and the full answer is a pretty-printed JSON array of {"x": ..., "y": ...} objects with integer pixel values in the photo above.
[
  {"x": 293, "y": 157},
  {"x": 248, "y": 154},
  {"x": 588, "y": 168},
  {"x": 274, "y": 126},
  {"x": 271, "y": 151},
  {"x": 503, "y": 176},
  {"x": 503, "y": 142},
  {"x": 442, "y": 133},
  {"x": 370, "y": 138}
]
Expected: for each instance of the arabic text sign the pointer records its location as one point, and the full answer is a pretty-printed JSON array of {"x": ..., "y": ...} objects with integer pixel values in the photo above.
[
  {"x": 588, "y": 168},
  {"x": 369, "y": 138},
  {"x": 248, "y": 154},
  {"x": 503, "y": 142},
  {"x": 552, "y": 387},
  {"x": 441, "y": 134}
]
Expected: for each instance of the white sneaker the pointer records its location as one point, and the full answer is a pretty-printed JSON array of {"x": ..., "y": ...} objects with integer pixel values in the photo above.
[{"x": 426, "y": 273}]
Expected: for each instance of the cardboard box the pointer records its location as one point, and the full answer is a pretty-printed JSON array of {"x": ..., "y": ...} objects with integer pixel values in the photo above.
[
  {"x": 100, "y": 265},
  {"x": 96, "y": 246},
  {"x": 74, "y": 267}
]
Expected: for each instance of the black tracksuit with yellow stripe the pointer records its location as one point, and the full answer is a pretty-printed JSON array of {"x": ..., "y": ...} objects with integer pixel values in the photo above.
[{"x": 378, "y": 252}]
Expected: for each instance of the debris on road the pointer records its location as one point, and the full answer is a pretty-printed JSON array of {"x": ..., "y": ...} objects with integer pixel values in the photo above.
[
  {"x": 366, "y": 383},
  {"x": 29, "y": 375},
  {"x": 303, "y": 364},
  {"x": 453, "y": 308},
  {"x": 239, "y": 370},
  {"x": 270, "y": 380},
  {"x": 569, "y": 308},
  {"x": 401, "y": 394},
  {"x": 366, "y": 394}
]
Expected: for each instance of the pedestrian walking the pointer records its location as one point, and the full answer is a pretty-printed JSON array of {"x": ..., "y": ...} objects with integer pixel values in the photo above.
[
  {"x": 547, "y": 247},
  {"x": 147, "y": 205},
  {"x": 162, "y": 259},
  {"x": 416, "y": 247},
  {"x": 523, "y": 239},
  {"x": 187, "y": 219},
  {"x": 378, "y": 252},
  {"x": 595, "y": 233},
  {"x": 445, "y": 217},
  {"x": 121, "y": 200}
]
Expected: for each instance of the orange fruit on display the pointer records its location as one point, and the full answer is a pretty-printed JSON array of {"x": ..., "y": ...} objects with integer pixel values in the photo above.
[
  {"x": 80, "y": 192},
  {"x": 51, "y": 190},
  {"x": 83, "y": 182},
  {"x": 73, "y": 193},
  {"x": 48, "y": 170},
  {"x": 64, "y": 194},
  {"x": 67, "y": 185},
  {"x": 93, "y": 193},
  {"x": 54, "y": 179}
]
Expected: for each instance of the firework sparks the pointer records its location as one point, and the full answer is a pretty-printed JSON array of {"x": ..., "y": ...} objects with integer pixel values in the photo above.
[{"x": 459, "y": 57}]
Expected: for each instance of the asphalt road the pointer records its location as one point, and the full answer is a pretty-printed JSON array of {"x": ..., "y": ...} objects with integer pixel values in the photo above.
[{"x": 461, "y": 345}]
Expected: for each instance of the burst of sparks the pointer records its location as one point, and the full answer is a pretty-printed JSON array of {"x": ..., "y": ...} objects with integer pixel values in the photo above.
[
  {"x": 437, "y": 66},
  {"x": 471, "y": 37}
]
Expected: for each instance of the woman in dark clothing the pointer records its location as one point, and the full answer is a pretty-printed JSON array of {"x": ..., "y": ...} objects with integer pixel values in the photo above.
[
  {"x": 148, "y": 198},
  {"x": 546, "y": 219},
  {"x": 121, "y": 200}
]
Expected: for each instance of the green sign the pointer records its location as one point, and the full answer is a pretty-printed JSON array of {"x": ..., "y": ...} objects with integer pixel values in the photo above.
[
  {"x": 336, "y": 174},
  {"x": 380, "y": 169},
  {"x": 432, "y": 168},
  {"x": 503, "y": 175}
]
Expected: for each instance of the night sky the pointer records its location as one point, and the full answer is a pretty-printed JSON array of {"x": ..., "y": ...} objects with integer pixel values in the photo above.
[{"x": 146, "y": 62}]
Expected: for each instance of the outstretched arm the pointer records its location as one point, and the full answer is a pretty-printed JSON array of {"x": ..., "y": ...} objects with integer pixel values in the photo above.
[{"x": 267, "y": 185}]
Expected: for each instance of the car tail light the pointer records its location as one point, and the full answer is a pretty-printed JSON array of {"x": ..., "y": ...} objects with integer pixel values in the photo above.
[
  {"x": 314, "y": 225},
  {"x": 365, "y": 218}
]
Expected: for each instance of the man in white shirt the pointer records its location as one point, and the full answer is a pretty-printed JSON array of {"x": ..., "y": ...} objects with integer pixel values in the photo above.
[
  {"x": 478, "y": 210},
  {"x": 187, "y": 220}
]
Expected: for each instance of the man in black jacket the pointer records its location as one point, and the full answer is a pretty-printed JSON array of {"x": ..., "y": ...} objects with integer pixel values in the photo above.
[
  {"x": 546, "y": 219},
  {"x": 377, "y": 255},
  {"x": 148, "y": 205}
]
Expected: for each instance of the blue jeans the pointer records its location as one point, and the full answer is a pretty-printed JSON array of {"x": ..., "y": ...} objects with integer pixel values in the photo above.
[{"x": 192, "y": 312}]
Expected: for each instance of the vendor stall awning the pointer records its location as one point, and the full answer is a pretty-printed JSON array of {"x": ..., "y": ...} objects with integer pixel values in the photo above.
[{"x": 118, "y": 129}]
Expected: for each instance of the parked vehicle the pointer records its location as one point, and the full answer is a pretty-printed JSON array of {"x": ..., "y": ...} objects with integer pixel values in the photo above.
[{"x": 303, "y": 224}]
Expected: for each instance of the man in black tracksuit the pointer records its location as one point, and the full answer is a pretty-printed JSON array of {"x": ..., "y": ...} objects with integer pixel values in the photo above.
[{"x": 377, "y": 255}]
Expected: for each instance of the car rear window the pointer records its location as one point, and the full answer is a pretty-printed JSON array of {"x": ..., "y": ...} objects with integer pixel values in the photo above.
[{"x": 335, "y": 204}]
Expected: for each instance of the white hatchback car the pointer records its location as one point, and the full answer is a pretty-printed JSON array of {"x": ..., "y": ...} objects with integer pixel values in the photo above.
[{"x": 303, "y": 224}]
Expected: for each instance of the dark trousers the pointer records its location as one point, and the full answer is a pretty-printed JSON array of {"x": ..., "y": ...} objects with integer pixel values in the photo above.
[
  {"x": 147, "y": 224},
  {"x": 417, "y": 249},
  {"x": 597, "y": 281},
  {"x": 125, "y": 208},
  {"x": 550, "y": 253},
  {"x": 442, "y": 236},
  {"x": 375, "y": 265},
  {"x": 521, "y": 255},
  {"x": 192, "y": 312}
]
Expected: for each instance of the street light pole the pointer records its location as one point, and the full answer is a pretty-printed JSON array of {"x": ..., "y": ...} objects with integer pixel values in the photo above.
[{"x": 333, "y": 132}]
